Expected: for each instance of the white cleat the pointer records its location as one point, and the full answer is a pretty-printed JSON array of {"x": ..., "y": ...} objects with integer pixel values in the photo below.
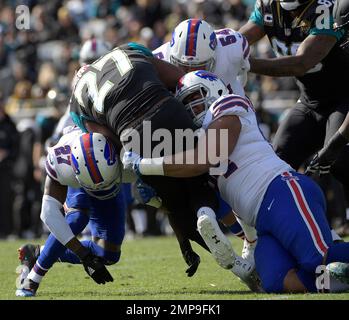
[
  {"x": 248, "y": 251},
  {"x": 246, "y": 271},
  {"x": 224, "y": 254},
  {"x": 217, "y": 242}
]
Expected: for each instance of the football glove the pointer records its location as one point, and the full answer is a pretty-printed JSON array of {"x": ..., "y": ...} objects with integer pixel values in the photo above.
[
  {"x": 131, "y": 161},
  {"x": 96, "y": 269},
  {"x": 148, "y": 194},
  {"x": 193, "y": 260},
  {"x": 322, "y": 162}
]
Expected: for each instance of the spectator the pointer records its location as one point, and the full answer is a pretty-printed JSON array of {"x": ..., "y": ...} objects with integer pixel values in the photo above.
[
  {"x": 27, "y": 202},
  {"x": 67, "y": 29},
  {"x": 8, "y": 153}
]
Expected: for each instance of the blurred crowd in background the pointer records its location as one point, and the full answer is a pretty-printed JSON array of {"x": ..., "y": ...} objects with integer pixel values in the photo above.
[{"x": 37, "y": 66}]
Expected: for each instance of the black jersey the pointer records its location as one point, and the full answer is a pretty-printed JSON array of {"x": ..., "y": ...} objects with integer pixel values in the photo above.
[
  {"x": 117, "y": 89},
  {"x": 324, "y": 83}
]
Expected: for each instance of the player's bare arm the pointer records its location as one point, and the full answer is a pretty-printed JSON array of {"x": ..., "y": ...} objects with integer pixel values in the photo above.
[
  {"x": 252, "y": 32},
  {"x": 92, "y": 126},
  {"x": 344, "y": 128},
  {"x": 194, "y": 163},
  {"x": 168, "y": 73},
  {"x": 311, "y": 51}
]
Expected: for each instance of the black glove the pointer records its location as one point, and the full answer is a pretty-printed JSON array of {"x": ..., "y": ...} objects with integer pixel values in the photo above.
[
  {"x": 96, "y": 269},
  {"x": 322, "y": 162},
  {"x": 193, "y": 260}
]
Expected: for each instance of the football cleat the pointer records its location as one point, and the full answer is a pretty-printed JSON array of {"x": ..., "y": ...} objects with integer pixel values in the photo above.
[
  {"x": 28, "y": 288},
  {"x": 248, "y": 251},
  {"x": 339, "y": 271},
  {"x": 247, "y": 273},
  {"x": 28, "y": 254},
  {"x": 216, "y": 241}
]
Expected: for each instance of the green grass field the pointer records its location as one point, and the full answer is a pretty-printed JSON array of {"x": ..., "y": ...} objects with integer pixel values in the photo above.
[{"x": 149, "y": 269}]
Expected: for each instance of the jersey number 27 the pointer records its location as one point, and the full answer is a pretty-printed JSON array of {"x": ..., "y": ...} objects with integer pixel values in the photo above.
[{"x": 97, "y": 95}]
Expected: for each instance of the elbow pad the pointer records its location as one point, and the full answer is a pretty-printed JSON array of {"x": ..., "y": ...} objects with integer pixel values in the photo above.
[{"x": 54, "y": 220}]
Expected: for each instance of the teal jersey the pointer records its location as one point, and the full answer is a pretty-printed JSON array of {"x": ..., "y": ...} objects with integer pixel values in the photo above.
[
  {"x": 286, "y": 30},
  {"x": 140, "y": 48}
]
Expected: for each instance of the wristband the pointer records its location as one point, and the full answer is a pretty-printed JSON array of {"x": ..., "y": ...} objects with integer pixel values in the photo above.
[{"x": 151, "y": 166}]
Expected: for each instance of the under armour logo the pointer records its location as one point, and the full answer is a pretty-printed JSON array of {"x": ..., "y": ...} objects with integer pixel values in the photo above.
[{"x": 216, "y": 240}]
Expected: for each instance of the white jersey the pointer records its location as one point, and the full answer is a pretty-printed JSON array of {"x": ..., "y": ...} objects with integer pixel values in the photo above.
[
  {"x": 232, "y": 53},
  {"x": 253, "y": 163},
  {"x": 58, "y": 165}
]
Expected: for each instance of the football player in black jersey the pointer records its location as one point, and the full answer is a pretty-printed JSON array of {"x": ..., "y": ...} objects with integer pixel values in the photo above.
[
  {"x": 323, "y": 160},
  {"x": 308, "y": 47},
  {"x": 117, "y": 93}
]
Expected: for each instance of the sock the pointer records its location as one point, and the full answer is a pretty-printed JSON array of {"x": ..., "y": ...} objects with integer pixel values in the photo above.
[
  {"x": 250, "y": 232},
  {"x": 53, "y": 248},
  {"x": 37, "y": 273},
  {"x": 236, "y": 230},
  {"x": 338, "y": 252}
]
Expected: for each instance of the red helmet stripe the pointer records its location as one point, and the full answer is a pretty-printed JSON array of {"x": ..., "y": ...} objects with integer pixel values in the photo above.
[
  {"x": 87, "y": 148},
  {"x": 193, "y": 28}
]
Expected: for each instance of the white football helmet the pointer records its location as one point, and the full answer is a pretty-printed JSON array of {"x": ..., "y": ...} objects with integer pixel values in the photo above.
[
  {"x": 193, "y": 45},
  {"x": 96, "y": 166},
  {"x": 207, "y": 88},
  {"x": 93, "y": 49}
]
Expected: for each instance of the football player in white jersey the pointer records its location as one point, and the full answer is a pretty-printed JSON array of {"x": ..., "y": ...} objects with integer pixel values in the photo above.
[
  {"x": 84, "y": 175},
  {"x": 195, "y": 45},
  {"x": 287, "y": 208}
]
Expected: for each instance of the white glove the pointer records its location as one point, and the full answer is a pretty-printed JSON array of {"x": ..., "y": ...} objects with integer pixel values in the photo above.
[{"x": 131, "y": 161}]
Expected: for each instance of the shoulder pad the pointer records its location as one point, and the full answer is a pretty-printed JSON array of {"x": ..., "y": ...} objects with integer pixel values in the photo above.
[
  {"x": 58, "y": 161},
  {"x": 230, "y": 105}
]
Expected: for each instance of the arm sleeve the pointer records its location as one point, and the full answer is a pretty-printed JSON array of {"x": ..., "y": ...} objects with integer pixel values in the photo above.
[{"x": 53, "y": 218}]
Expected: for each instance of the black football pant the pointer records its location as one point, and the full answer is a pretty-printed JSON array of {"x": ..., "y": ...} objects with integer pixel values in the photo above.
[{"x": 304, "y": 131}]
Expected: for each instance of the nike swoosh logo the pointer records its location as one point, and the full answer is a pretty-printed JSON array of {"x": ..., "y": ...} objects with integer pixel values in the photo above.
[{"x": 271, "y": 203}]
